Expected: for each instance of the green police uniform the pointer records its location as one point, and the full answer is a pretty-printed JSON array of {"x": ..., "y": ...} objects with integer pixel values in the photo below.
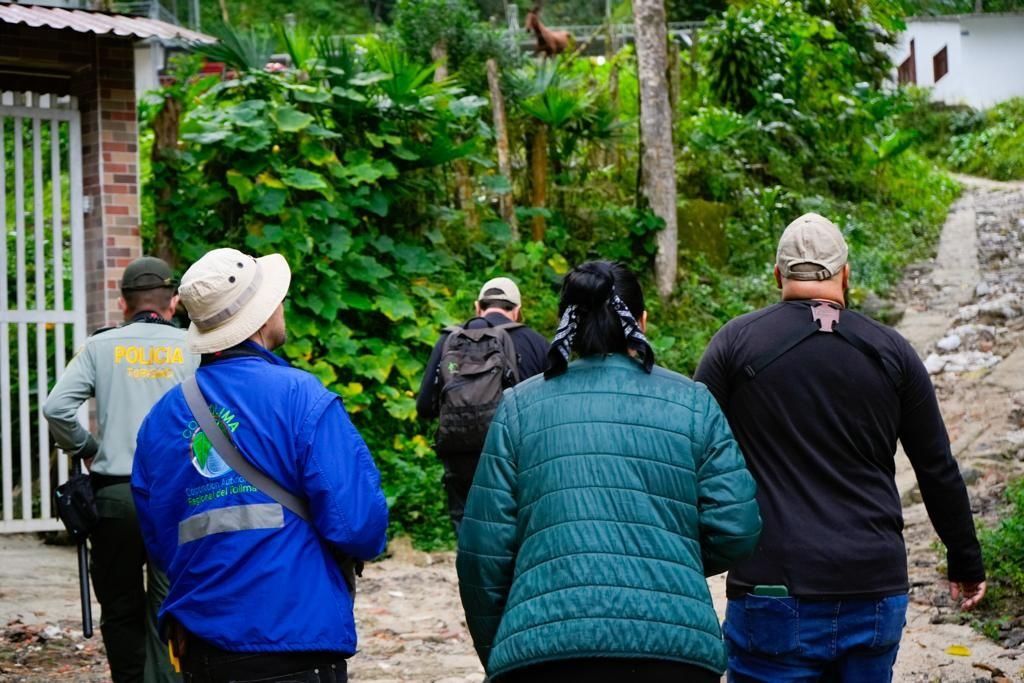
[{"x": 127, "y": 369}]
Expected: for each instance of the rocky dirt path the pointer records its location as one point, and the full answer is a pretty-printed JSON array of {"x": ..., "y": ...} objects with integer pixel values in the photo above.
[{"x": 964, "y": 311}]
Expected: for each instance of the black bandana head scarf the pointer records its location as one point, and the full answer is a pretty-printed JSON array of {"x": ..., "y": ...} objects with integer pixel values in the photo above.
[{"x": 561, "y": 345}]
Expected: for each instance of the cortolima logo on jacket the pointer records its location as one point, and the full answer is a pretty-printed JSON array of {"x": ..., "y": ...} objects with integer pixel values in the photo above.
[{"x": 205, "y": 457}]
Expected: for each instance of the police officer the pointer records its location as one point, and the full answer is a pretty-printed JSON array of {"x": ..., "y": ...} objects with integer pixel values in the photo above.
[{"x": 127, "y": 369}]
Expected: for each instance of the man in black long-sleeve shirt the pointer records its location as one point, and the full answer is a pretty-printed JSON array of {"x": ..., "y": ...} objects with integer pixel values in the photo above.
[
  {"x": 499, "y": 304},
  {"x": 817, "y": 397}
]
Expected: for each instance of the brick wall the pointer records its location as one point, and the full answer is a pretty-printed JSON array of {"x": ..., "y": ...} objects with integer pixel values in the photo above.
[
  {"x": 99, "y": 71},
  {"x": 110, "y": 177}
]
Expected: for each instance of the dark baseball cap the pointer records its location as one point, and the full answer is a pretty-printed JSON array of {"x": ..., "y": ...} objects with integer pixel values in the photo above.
[{"x": 147, "y": 272}]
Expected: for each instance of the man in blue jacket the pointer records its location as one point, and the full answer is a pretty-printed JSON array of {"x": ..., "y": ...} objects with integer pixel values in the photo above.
[{"x": 255, "y": 590}]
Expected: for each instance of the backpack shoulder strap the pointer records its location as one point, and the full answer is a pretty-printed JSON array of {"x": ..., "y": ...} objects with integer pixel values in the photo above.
[
  {"x": 509, "y": 347},
  {"x": 227, "y": 450}
]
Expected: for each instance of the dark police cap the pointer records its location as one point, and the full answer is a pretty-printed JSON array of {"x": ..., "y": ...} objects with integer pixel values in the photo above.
[{"x": 147, "y": 272}]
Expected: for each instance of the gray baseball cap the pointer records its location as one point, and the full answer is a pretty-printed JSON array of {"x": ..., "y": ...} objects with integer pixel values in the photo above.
[{"x": 811, "y": 248}]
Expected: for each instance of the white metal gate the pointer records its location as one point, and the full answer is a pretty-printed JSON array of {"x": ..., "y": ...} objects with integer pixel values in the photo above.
[{"x": 41, "y": 295}]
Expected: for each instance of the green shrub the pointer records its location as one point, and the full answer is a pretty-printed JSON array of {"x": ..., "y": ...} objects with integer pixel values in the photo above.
[
  {"x": 348, "y": 163},
  {"x": 425, "y": 25},
  {"x": 997, "y": 149},
  {"x": 332, "y": 166},
  {"x": 1003, "y": 550}
]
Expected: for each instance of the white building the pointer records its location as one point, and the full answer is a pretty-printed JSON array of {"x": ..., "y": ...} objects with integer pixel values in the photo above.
[{"x": 974, "y": 59}]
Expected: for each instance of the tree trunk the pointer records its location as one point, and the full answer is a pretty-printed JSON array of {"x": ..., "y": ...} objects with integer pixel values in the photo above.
[
  {"x": 224, "y": 16},
  {"x": 658, "y": 158},
  {"x": 463, "y": 179},
  {"x": 694, "y": 75},
  {"x": 439, "y": 53},
  {"x": 674, "y": 75},
  {"x": 539, "y": 177},
  {"x": 467, "y": 202},
  {"x": 613, "y": 98},
  {"x": 165, "y": 146},
  {"x": 505, "y": 201}
]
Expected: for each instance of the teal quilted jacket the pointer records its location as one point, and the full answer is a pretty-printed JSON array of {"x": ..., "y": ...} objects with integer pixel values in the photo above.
[{"x": 602, "y": 499}]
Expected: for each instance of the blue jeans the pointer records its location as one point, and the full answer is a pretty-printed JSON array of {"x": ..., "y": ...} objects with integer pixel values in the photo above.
[{"x": 794, "y": 640}]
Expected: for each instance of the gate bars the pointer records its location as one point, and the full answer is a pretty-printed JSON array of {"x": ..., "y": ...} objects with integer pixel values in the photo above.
[{"x": 40, "y": 153}]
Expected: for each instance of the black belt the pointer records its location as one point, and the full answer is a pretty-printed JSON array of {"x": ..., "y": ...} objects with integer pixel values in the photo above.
[
  {"x": 102, "y": 481},
  {"x": 204, "y": 662}
]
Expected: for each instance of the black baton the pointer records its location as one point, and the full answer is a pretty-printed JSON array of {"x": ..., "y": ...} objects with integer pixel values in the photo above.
[{"x": 83, "y": 570}]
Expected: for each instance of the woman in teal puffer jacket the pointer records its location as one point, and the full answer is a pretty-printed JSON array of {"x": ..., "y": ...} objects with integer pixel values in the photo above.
[{"x": 607, "y": 491}]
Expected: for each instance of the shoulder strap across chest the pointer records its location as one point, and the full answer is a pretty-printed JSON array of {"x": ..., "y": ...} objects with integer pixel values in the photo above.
[{"x": 825, "y": 318}]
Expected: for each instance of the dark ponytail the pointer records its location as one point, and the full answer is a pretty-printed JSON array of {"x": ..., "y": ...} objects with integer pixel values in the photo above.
[{"x": 599, "y": 307}]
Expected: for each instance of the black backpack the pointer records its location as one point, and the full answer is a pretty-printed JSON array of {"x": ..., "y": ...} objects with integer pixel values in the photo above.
[{"x": 476, "y": 366}]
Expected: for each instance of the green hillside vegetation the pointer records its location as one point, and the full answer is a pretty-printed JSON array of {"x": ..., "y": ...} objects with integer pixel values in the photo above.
[
  {"x": 994, "y": 145},
  {"x": 1003, "y": 548},
  {"x": 984, "y": 143},
  {"x": 380, "y": 185},
  {"x": 362, "y": 16}
]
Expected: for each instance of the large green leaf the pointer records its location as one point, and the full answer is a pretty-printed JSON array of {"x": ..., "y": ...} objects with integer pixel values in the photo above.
[
  {"x": 395, "y": 307},
  {"x": 370, "y": 78},
  {"x": 465, "y": 107},
  {"x": 291, "y": 120},
  {"x": 242, "y": 185},
  {"x": 375, "y": 366},
  {"x": 316, "y": 152},
  {"x": 339, "y": 242},
  {"x": 301, "y": 179},
  {"x": 269, "y": 201},
  {"x": 208, "y": 137},
  {"x": 401, "y": 407},
  {"x": 366, "y": 269},
  {"x": 348, "y": 94}
]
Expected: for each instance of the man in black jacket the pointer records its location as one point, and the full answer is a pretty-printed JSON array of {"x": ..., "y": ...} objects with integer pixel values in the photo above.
[
  {"x": 499, "y": 304},
  {"x": 817, "y": 397}
]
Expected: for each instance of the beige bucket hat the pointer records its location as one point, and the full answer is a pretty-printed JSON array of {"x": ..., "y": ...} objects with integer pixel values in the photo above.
[
  {"x": 811, "y": 248},
  {"x": 230, "y": 295}
]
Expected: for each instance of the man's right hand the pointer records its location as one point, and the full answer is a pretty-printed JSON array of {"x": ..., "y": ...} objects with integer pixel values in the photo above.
[{"x": 972, "y": 593}]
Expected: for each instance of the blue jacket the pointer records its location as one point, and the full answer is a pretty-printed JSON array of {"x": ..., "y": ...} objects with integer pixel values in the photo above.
[{"x": 246, "y": 574}]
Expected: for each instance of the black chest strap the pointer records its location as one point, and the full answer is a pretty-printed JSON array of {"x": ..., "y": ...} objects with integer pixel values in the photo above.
[{"x": 824, "y": 319}]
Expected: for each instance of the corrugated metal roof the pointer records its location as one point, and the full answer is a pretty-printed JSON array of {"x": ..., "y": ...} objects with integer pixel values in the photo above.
[
  {"x": 84, "y": 21},
  {"x": 962, "y": 17}
]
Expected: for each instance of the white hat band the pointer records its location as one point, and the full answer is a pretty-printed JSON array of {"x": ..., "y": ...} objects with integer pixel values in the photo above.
[{"x": 227, "y": 313}]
